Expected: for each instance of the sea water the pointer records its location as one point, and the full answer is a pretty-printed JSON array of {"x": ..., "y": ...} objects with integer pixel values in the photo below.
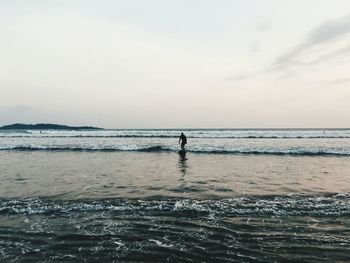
[{"x": 131, "y": 196}]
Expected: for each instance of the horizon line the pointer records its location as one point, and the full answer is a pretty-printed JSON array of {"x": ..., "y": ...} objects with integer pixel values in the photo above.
[{"x": 187, "y": 128}]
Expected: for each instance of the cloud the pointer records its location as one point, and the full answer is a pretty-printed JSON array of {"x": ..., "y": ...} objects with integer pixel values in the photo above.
[
  {"x": 335, "y": 54},
  {"x": 339, "y": 81},
  {"x": 237, "y": 77},
  {"x": 266, "y": 25},
  {"x": 255, "y": 47},
  {"x": 318, "y": 47},
  {"x": 325, "y": 33}
]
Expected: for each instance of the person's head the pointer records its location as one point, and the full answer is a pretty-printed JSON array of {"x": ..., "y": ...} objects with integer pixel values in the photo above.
[{"x": 182, "y": 133}]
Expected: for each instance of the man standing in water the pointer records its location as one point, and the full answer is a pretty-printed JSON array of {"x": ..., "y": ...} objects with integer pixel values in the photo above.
[{"x": 183, "y": 141}]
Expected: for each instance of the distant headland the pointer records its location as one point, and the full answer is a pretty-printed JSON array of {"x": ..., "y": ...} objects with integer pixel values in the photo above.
[{"x": 46, "y": 126}]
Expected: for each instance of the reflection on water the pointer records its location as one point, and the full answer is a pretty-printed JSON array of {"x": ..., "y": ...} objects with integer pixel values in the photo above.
[{"x": 183, "y": 163}]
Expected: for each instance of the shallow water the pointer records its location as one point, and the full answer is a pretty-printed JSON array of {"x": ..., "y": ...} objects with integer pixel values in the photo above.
[
  {"x": 100, "y": 175},
  {"x": 77, "y": 197},
  {"x": 251, "y": 229}
]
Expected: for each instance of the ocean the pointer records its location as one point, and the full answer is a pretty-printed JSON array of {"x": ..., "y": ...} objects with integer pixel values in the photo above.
[{"x": 129, "y": 195}]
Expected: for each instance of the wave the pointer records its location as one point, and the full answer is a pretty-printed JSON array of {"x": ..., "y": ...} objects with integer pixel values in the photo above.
[
  {"x": 196, "y": 133},
  {"x": 86, "y": 149},
  {"x": 242, "y": 229},
  {"x": 331, "y": 205},
  {"x": 173, "y": 136},
  {"x": 93, "y": 136},
  {"x": 202, "y": 150}
]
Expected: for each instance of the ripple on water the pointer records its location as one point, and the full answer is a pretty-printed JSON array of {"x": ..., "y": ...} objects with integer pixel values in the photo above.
[{"x": 244, "y": 229}]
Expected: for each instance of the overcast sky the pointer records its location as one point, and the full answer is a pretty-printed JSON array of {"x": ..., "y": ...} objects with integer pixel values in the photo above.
[{"x": 176, "y": 64}]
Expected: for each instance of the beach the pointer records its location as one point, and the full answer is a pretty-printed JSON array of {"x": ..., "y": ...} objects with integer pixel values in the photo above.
[{"x": 131, "y": 196}]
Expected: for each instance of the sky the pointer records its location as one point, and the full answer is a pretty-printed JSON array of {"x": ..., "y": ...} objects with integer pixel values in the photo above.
[{"x": 176, "y": 64}]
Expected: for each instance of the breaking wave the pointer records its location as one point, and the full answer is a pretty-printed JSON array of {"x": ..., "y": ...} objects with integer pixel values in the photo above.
[
  {"x": 330, "y": 205},
  {"x": 245, "y": 229},
  {"x": 175, "y": 136},
  {"x": 199, "y": 150},
  {"x": 192, "y": 133}
]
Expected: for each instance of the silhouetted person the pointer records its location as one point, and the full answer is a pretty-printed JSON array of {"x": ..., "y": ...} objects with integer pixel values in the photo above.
[{"x": 183, "y": 140}]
